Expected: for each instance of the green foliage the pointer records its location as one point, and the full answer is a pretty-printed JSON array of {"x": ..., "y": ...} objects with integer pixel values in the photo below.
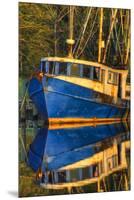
[
  {"x": 43, "y": 30},
  {"x": 36, "y": 34}
]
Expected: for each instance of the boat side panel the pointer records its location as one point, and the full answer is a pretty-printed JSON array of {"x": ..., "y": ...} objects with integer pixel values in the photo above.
[
  {"x": 59, "y": 99},
  {"x": 65, "y": 99}
]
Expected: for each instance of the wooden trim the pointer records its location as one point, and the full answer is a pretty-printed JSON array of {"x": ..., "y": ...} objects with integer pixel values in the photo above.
[
  {"x": 82, "y": 120},
  {"x": 53, "y": 126}
]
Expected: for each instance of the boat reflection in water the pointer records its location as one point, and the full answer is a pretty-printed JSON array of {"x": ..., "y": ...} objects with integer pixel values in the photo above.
[{"x": 65, "y": 158}]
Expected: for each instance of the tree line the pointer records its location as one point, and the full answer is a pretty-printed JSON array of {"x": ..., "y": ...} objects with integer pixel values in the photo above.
[{"x": 43, "y": 30}]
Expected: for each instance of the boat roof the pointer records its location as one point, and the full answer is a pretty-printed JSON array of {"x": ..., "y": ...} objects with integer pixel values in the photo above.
[{"x": 85, "y": 62}]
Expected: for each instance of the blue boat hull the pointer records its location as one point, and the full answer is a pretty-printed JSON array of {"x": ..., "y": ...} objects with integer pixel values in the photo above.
[
  {"x": 53, "y": 149},
  {"x": 56, "y": 98}
]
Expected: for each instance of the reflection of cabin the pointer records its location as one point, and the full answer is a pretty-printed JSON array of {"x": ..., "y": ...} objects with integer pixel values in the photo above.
[
  {"x": 90, "y": 170},
  {"x": 102, "y": 79}
]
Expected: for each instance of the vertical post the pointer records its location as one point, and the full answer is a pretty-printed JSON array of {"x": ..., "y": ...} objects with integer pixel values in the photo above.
[
  {"x": 22, "y": 135},
  {"x": 98, "y": 185},
  {"x": 69, "y": 189},
  {"x": 100, "y": 35},
  {"x": 128, "y": 48},
  {"x": 126, "y": 183}
]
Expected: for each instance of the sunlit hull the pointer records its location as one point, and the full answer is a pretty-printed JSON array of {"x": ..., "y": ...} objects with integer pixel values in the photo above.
[
  {"x": 71, "y": 157},
  {"x": 60, "y": 100}
]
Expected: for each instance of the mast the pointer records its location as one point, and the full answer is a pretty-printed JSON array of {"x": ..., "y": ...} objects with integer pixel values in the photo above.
[
  {"x": 70, "y": 41},
  {"x": 100, "y": 36},
  {"x": 127, "y": 39}
]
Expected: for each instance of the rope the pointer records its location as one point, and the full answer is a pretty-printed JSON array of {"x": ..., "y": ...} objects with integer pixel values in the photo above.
[
  {"x": 24, "y": 98},
  {"x": 89, "y": 36},
  {"x": 109, "y": 36},
  {"x": 23, "y": 146},
  {"x": 79, "y": 41}
]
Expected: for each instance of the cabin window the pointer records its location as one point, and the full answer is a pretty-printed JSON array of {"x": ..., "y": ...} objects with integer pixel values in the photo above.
[
  {"x": 62, "y": 176},
  {"x": 44, "y": 66},
  {"x": 62, "y": 68},
  {"x": 90, "y": 171},
  {"x": 56, "y": 68},
  {"x": 52, "y": 67},
  {"x": 95, "y": 170},
  {"x": 74, "y": 175},
  {"x": 80, "y": 173},
  {"x": 75, "y": 70},
  {"x": 112, "y": 77},
  {"x": 86, "y": 72},
  {"x": 96, "y": 73},
  {"x": 85, "y": 172},
  {"x": 51, "y": 177},
  {"x": 67, "y": 175},
  {"x": 112, "y": 162},
  {"x": 127, "y": 93}
]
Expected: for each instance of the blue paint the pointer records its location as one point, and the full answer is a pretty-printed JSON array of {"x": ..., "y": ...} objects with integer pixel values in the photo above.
[
  {"x": 36, "y": 93},
  {"x": 36, "y": 150},
  {"x": 62, "y": 99},
  {"x": 66, "y": 146}
]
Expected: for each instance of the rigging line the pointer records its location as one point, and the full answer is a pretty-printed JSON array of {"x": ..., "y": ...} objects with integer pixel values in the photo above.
[
  {"x": 61, "y": 12},
  {"x": 127, "y": 37},
  {"x": 118, "y": 45},
  {"x": 89, "y": 36},
  {"x": 23, "y": 146},
  {"x": 24, "y": 97},
  {"x": 60, "y": 18},
  {"x": 126, "y": 25},
  {"x": 121, "y": 16},
  {"x": 128, "y": 47},
  {"x": 76, "y": 44},
  {"x": 85, "y": 26},
  {"x": 100, "y": 35},
  {"x": 81, "y": 36},
  {"x": 109, "y": 36}
]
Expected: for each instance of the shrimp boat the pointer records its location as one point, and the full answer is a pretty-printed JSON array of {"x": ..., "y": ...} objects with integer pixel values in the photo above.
[{"x": 67, "y": 90}]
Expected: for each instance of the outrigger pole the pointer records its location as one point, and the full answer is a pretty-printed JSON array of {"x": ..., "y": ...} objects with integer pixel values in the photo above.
[
  {"x": 109, "y": 36},
  {"x": 71, "y": 41}
]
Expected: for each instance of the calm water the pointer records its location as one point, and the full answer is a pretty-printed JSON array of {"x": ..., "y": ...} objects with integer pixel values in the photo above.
[{"x": 78, "y": 153}]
